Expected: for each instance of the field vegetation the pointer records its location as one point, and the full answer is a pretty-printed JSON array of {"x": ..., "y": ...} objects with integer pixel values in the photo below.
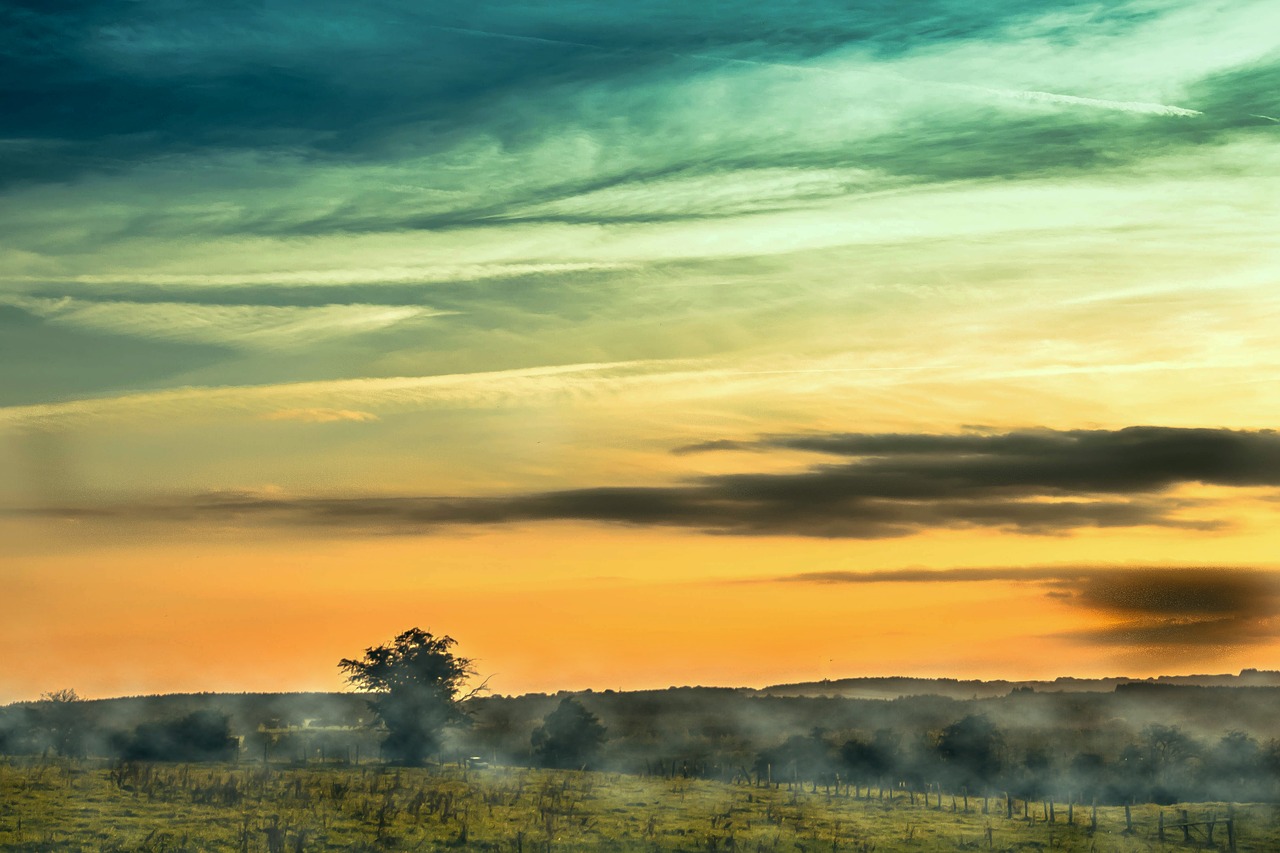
[
  {"x": 75, "y": 805},
  {"x": 415, "y": 762}
]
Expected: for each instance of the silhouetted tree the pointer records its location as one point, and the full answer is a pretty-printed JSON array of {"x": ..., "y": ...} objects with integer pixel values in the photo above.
[
  {"x": 1036, "y": 775},
  {"x": 570, "y": 736},
  {"x": 62, "y": 722},
  {"x": 1130, "y": 778},
  {"x": 1088, "y": 773},
  {"x": 1232, "y": 769},
  {"x": 799, "y": 758},
  {"x": 871, "y": 761},
  {"x": 971, "y": 750},
  {"x": 199, "y": 736},
  {"x": 418, "y": 681},
  {"x": 1170, "y": 755}
]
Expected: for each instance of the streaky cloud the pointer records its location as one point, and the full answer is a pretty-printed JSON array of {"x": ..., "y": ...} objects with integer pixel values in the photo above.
[
  {"x": 1147, "y": 606},
  {"x": 1050, "y": 482},
  {"x": 321, "y": 416}
]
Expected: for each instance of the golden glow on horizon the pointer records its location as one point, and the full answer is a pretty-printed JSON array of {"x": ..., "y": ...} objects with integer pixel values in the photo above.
[{"x": 560, "y": 607}]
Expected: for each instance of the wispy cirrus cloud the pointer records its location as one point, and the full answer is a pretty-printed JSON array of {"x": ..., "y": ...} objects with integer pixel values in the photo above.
[
  {"x": 562, "y": 383},
  {"x": 321, "y": 416},
  {"x": 262, "y": 326}
]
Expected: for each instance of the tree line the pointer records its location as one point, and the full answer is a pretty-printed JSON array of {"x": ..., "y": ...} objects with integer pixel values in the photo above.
[{"x": 1112, "y": 748}]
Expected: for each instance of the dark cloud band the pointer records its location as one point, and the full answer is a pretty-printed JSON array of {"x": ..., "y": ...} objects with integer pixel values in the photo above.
[
  {"x": 1148, "y": 607},
  {"x": 885, "y": 485}
]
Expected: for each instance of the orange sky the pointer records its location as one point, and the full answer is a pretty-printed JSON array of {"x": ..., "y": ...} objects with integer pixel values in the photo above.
[
  {"x": 543, "y": 609},
  {"x": 575, "y": 342}
]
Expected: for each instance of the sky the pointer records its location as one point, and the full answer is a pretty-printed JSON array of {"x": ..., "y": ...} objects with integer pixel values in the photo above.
[{"x": 636, "y": 345}]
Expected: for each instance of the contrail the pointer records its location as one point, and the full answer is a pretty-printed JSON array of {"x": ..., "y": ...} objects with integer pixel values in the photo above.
[{"x": 1142, "y": 107}]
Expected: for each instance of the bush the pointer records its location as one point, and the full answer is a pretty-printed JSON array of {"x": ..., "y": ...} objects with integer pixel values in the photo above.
[{"x": 199, "y": 736}]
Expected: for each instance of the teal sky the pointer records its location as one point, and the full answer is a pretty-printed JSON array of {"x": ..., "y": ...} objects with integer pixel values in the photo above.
[{"x": 287, "y": 264}]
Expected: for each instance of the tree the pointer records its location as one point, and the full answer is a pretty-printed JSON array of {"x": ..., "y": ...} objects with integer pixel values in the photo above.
[
  {"x": 418, "y": 681},
  {"x": 199, "y": 736},
  {"x": 62, "y": 720},
  {"x": 870, "y": 761},
  {"x": 799, "y": 757},
  {"x": 569, "y": 737},
  {"x": 971, "y": 750}
]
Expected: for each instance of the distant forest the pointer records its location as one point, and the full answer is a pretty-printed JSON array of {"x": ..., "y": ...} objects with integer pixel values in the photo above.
[{"x": 1139, "y": 742}]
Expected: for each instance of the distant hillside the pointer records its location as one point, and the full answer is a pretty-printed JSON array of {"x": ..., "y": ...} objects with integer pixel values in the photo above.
[
  {"x": 895, "y": 687},
  {"x": 1210, "y": 737}
]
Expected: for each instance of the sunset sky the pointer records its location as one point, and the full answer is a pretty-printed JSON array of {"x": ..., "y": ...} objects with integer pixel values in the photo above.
[{"x": 637, "y": 344}]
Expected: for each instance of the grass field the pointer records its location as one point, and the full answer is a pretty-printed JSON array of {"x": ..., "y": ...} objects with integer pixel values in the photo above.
[{"x": 69, "y": 806}]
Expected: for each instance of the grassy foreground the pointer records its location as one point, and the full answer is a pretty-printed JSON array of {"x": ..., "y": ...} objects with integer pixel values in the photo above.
[{"x": 68, "y": 806}]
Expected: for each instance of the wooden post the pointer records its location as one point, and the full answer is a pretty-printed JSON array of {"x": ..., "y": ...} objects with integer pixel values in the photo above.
[
  {"x": 1049, "y": 816},
  {"x": 1231, "y": 834},
  {"x": 1160, "y": 825},
  {"x": 1008, "y": 806},
  {"x": 1071, "y": 813},
  {"x": 1186, "y": 826},
  {"x": 1093, "y": 817},
  {"x": 1213, "y": 822},
  {"x": 1128, "y": 820},
  {"x": 984, "y": 804}
]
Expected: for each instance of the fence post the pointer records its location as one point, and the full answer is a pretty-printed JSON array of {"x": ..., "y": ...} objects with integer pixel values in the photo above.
[
  {"x": 1213, "y": 822},
  {"x": 1008, "y": 806},
  {"x": 1128, "y": 820},
  {"x": 1160, "y": 825},
  {"x": 1186, "y": 826},
  {"x": 1071, "y": 813},
  {"x": 1231, "y": 834},
  {"x": 1093, "y": 817}
]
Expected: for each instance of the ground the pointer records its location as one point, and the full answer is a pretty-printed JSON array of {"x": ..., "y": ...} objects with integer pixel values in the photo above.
[{"x": 92, "y": 806}]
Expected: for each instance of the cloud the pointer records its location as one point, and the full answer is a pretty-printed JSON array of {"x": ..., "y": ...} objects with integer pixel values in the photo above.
[
  {"x": 321, "y": 416},
  {"x": 1043, "y": 482},
  {"x": 564, "y": 383},
  {"x": 257, "y": 326},
  {"x": 1149, "y": 607},
  {"x": 1139, "y": 459}
]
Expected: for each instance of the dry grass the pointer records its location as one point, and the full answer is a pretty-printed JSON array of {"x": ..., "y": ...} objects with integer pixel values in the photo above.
[{"x": 69, "y": 806}]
